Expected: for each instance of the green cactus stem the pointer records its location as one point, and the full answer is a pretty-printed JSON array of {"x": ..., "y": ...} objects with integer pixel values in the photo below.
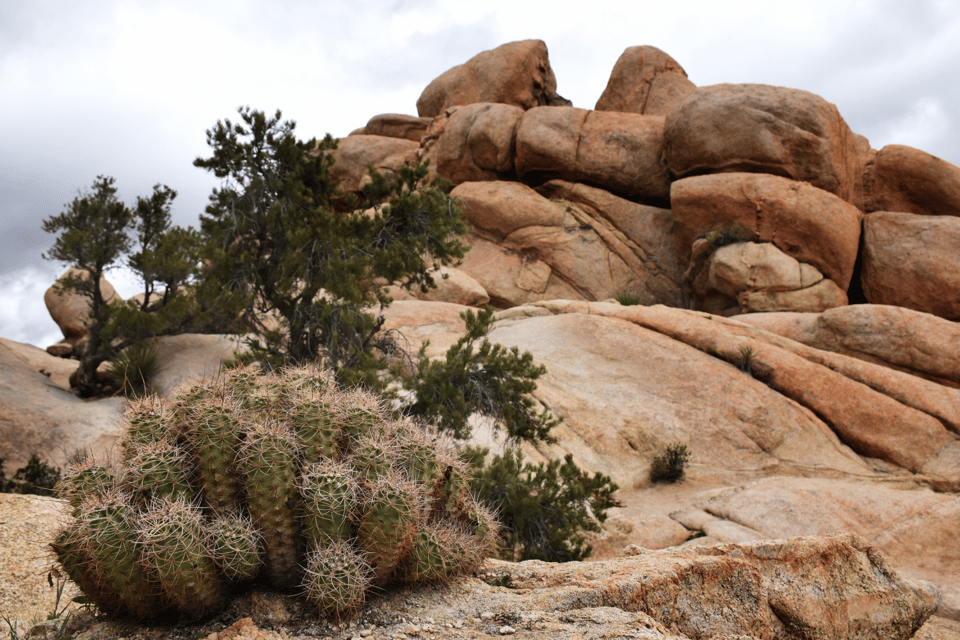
[
  {"x": 336, "y": 579},
  {"x": 236, "y": 543},
  {"x": 329, "y": 492},
  {"x": 390, "y": 519}
]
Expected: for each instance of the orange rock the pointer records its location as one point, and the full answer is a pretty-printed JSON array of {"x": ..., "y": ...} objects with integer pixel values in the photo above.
[
  {"x": 516, "y": 73},
  {"x": 620, "y": 152},
  {"x": 395, "y": 125},
  {"x": 645, "y": 80},
  {"x": 760, "y": 128},
  {"x": 474, "y": 142},
  {"x": 355, "y": 152},
  {"x": 71, "y": 311},
  {"x": 912, "y": 181},
  {"x": 809, "y": 224},
  {"x": 912, "y": 261}
]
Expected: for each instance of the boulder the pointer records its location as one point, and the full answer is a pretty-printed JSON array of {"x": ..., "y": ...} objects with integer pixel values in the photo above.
[
  {"x": 415, "y": 322},
  {"x": 70, "y": 310},
  {"x": 474, "y": 142},
  {"x": 39, "y": 416},
  {"x": 516, "y": 73},
  {"x": 912, "y": 181},
  {"x": 808, "y": 224},
  {"x": 527, "y": 247},
  {"x": 765, "y": 129},
  {"x": 902, "y": 339},
  {"x": 356, "y": 152},
  {"x": 396, "y": 125},
  {"x": 749, "y": 277},
  {"x": 645, "y": 80},
  {"x": 625, "y": 392},
  {"x": 455, "y": 286},
  {"x": 915, "y": 529},
  {"x": 620, "y": 152},
  {"x": 185, "y": 359},
  {"x": 912, "y": 261}
]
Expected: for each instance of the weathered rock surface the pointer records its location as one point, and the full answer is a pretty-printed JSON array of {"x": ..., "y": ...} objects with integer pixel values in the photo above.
[
  {"x": 189, "y": 357},
  {"x": 912, "y": 261},
  {"x": 766, "y": 129},
  {"x": 806, "y": 223},
  {"x": 453, "y": 285},
  {"x": 71, "y": 311},
  {"x": 915, "y": 529},
  {"x": 356, "y": 152},
  {"x": 749, "y": 277},
  {"x": 909, "y": 180},
  {"x": 527, "y": 247},
  {"x": 621, "y": 152},
  {"x": 38, "y": 416},
  {"x": 474, "y": 142},
  {"x": 516, "y": 73},
  {"x": 903, "y": 339},
  {"x": 397, "y": 125},
  {"x": 645, "y": 80}
]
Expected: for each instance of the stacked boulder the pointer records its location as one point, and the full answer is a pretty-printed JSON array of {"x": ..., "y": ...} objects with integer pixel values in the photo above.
[{"x": 584, "y": 204}]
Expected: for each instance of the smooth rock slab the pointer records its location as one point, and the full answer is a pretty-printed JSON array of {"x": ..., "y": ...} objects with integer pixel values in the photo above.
[
  {"x": 645, "y": 80},
  {"x": 909, "y": 180}
]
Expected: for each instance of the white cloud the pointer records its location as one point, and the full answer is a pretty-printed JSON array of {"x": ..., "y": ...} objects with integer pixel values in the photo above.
[{"x": 23, "y": 314}]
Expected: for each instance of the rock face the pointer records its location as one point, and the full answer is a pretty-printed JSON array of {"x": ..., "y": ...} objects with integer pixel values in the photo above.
[
  {"x": 809, "y": 224},
  {"x": 620, "y": 152},
  {"x": 748, "y": 277},
  {"x": 397, "y": 125},
  {"x": 759, "y": 128},
  {"x": 356, "y": 152},
  {"x": 516, "y": 73},
  {"x": 645, "y": 80},
  {"x": 474, "y": 142},
  {"x": 71, "y": 311},
  {"x": 912, "y": 261},
  {"x": 912, "y": 181}
]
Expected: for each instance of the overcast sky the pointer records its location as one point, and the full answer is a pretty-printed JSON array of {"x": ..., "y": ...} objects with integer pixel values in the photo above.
[{"x": 128, "y": 89}]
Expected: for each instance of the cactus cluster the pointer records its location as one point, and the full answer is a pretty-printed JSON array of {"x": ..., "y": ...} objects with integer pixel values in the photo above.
[{"x": 281, "y": 477}]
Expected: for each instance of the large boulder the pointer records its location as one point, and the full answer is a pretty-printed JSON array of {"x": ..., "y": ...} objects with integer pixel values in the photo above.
[
  {"x": 70, "y": 310},
  {"x": 912, "y": 261},
  {"x": 473, "y": 142},
  {"x": 355, "y": 153},
  {"x": 620, "y": 152},
  {"x": 808, "y": 224},
  {"x": 645, "y": 80},
  {"x": 397, "y": 125},
  {"x": 38, "y": 416},
  {"x": 915, "y": 529},
  {"x": 526, "y": 247},
  {"x": 905, "y": 179},
  {"x": 516, "y": 73},
  {"x": 906, "y": 340},
  {"x": 185, "y": 359},
  {"x": 749, "y": 277},
  {"x": 765, "y": 129}
]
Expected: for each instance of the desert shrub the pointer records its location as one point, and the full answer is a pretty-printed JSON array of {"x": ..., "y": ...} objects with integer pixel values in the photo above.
[
  {"x": 544, "y": 509},
  {"x": 133, "y": 367},
  {"x": 747, "y": 355},
  {"x": 724, "y": 234},
  {"x": 282, "y": 476},
  {"x": 36, "y": 477},
  {"x": 628, "y": 298},
  {"x": 669, "y": 466}
]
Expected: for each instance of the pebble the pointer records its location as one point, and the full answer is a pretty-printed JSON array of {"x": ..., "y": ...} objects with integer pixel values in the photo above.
[
  {"x": 486, "y": 615},
  {"x": 366, "y": 633},
  {"x": 507, "y": 631}
]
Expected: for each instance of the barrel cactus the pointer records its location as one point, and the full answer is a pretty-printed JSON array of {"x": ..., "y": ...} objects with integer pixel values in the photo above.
[{"x": 279, "y": 477}]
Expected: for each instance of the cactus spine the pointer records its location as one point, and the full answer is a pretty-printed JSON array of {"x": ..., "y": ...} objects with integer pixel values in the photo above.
[{"x": 279, "y": 475}]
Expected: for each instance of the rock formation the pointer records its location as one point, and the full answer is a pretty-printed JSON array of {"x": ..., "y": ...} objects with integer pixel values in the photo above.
[{"x": 711, "y": 205}]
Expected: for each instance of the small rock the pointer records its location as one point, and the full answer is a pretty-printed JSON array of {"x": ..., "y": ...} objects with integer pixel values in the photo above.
[
  {"x": 507, "y": 631},
  {"x": 366, "y": 633},
  {"x": 486, "y": 615}
]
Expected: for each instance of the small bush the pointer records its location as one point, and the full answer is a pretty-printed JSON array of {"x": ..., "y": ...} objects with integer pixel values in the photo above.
[
  {"x": 724, "y": 234},
  {"x": 669, "y": 466},
  {"x": 36, "y": 477},
  {"x": 133, "y": 367},
  {"x": 747, "y": 355},
  {"x": 545, "y": 508},
  {"x": 628, "y": 298}
]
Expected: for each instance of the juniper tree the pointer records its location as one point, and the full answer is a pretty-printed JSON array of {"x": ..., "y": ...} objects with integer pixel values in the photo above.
[{"x": 303, "y": 263}]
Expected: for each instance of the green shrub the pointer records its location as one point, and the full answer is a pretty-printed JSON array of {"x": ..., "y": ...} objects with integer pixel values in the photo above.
[
  {"x": 724, "y": 234},
  {"x": 132, "y": 368},
  {"x": 669, "y": 466},
  {"x": 544, "y": 509},
  {"x": 36, "y": 477},
  {"x": 628, "y": 298},
  {"x": 280, "y": 475},
  {"x": 745, "y": 361}
]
